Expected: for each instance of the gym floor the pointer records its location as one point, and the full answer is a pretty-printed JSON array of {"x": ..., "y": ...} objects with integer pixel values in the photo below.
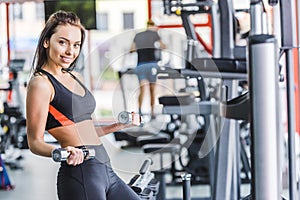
[{"x": 37, "y": 179}]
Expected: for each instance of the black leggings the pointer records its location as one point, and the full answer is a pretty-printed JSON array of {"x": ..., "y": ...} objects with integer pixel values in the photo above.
[{"x": 94, "y": 179}]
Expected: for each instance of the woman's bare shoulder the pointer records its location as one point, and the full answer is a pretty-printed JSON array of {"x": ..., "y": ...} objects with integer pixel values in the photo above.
[{"x": 39, "y": 82}]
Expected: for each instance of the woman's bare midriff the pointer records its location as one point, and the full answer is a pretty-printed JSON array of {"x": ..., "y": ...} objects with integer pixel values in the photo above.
[{"x": 82, "y": 133}]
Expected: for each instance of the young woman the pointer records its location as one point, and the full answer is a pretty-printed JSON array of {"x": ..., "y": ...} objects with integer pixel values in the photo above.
[{"x": 57, "y": 101}]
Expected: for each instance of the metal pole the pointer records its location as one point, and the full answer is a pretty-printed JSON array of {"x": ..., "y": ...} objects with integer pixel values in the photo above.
[
  {"x": 226, "y": 175},
  {"x": 298, "y": 42},
  {"x": 263, "y": 92},
  {"x": 256, "y": 11},
  {"x": 216, "y": 35},
  {"x": 291, "y": 125},
  {"x": 287, "y": 14},
  {"x": 160, "y": 176},
  {"x": 186, "y": 186},
  {"x": 226, "y": 25},
  {"x": 7, "y": 32},
  {"x": 149, "y": 8}
]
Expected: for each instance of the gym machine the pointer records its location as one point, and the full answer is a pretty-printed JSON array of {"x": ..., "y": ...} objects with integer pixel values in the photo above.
[
  {"x": 288, "y": 24},
  {"x": 147, "y": 184},
  {"x": 12, "y": 126},
  {"x": 12, "y": 119},
  {"x": 263, "y": 92},
  {"x": 228, "y": 63},
  {"x": 261, "y": 102}
]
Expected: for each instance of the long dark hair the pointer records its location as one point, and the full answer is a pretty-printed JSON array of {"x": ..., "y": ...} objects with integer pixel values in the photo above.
[{"x": 56, "y": 19}]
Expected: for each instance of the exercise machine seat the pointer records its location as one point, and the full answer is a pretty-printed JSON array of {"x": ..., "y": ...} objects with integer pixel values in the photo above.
[
  {"x": 179, "y": 99},
  {"x": 158, "y": 138},
  {"x": 220, "y": 64}
]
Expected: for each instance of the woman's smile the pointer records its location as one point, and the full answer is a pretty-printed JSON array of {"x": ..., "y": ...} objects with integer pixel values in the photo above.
[{"x": 67, "y": 60}]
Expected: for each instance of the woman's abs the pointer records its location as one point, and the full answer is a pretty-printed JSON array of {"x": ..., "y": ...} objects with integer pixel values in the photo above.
[{"x": 82, "y": 133}]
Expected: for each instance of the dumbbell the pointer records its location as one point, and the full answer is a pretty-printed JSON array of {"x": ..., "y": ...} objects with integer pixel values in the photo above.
[
  {"x": 61, "y": 154},
  {"x": 125, "y": 117}
]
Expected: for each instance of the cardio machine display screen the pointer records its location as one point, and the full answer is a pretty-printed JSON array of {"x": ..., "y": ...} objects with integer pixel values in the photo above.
[{"x": 85, "y": 10}]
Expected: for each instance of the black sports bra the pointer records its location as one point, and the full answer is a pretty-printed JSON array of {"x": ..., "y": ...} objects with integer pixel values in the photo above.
[{"x": 68, "y": 108}]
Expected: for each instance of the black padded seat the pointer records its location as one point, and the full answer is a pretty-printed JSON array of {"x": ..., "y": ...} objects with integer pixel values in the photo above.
[
  {"x": 158, "y": 138},
  {"x": 220, "y": 64},
  {"x": 130, "y": 136},
  {"x": 179, "y": 99}
]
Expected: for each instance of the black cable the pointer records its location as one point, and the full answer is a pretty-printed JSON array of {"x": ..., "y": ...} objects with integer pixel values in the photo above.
[
  {"x": 285, "y": 48},
  {"x": 289, "y": 47}
]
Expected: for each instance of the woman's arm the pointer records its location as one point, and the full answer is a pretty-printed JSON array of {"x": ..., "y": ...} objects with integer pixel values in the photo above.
[
  {"x": 37, "y": 103},
  {"x": 104, "y": 130}
]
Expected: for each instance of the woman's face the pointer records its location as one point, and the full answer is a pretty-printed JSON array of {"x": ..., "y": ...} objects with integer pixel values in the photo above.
[{"x": 63, "y": 46}]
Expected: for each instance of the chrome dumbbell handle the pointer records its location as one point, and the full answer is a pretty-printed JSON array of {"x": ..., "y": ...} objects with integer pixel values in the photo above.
[
  {"x": 125, "y": 117},
  {"x": 61, "y": 154}
]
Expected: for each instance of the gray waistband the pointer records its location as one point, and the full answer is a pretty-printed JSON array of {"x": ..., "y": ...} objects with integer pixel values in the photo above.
[{"x": 100, "y": 153}]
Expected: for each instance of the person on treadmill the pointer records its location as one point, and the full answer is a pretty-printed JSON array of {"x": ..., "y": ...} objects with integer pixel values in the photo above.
[{"x": 144, "y": 43}]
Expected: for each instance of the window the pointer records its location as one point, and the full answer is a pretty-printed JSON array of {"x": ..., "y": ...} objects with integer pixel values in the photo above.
[
  {"x": 128, "y": 21},
  {"x": 102, "y": 21},
  {"x": 39, "y": 10},
  {"x": 17, "y": 11},
  {"x": 86, "y": 10}
]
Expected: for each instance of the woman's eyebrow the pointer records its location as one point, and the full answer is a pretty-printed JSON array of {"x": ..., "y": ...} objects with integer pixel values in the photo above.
[{"x": 69, "y": 40}]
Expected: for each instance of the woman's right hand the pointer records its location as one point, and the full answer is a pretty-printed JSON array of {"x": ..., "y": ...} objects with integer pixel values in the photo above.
[{"x": 76, "y": 156}]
